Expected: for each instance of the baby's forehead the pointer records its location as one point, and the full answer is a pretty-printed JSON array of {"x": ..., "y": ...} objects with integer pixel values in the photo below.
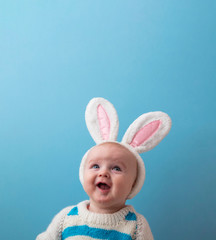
[{"x": 112, "y": 152}]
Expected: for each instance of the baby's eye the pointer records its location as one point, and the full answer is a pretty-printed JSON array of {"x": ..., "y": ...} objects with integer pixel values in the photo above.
[
  {"x": 116, "y": 168},
  {"x": 95, "y": 166}
]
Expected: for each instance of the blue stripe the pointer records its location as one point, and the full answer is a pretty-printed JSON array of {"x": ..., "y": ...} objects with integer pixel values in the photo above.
[
  {"x": 96, "y": 233},
  {"x": 74, "y": 211},
  {"x": 131, "y": 216}
]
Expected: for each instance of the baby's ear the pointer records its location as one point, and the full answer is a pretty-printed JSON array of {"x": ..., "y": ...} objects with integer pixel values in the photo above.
[
  {"x": 147, "y": 131},
  {"x": 101, "y": 120}
]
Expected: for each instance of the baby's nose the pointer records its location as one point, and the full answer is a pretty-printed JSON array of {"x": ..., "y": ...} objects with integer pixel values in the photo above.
[{"x": 104, "y": 173}]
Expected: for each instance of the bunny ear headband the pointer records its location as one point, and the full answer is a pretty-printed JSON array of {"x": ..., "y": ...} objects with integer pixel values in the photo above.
[{"x": 141, "y": 136}]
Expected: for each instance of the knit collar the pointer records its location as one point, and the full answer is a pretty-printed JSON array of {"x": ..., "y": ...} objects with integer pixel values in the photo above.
[{"x": 101, "y": 218}]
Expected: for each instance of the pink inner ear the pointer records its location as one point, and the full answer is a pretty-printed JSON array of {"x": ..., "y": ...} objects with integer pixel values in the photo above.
[
  {"x": 145, "y": 133},
  {"x": 104, "y": 122}
]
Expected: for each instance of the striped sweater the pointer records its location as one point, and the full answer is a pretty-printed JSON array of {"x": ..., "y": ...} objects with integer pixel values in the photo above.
[
  {"x": 80, "y": 223},
  {"x": 77, "y": 222}
]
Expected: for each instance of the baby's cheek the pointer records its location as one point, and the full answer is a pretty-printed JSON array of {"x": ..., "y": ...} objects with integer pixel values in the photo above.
[
  {"x": 129, "y": 182},
  {"x": 88, "y": 181},
  {"x": 87, "y": 187}
]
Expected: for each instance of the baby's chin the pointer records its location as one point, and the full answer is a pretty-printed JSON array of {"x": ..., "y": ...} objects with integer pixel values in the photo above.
[{"x": 103, "y": 205}]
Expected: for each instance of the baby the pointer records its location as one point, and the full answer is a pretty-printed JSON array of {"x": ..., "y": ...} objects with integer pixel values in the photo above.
[{"x": 111, "y": 172}]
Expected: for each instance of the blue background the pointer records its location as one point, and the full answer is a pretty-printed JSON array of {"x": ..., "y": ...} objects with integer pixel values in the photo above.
[{"x": 142, "y": 56}]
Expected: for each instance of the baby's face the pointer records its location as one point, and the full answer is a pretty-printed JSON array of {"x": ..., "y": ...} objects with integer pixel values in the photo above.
[{"x": 109, "y": 175}]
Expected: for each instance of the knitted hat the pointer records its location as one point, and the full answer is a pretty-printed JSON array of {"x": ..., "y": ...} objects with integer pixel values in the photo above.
[{"x": 141, "y": 136}]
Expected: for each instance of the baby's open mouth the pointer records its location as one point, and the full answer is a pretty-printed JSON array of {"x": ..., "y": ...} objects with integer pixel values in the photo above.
[{"x": 103, "y": 186}]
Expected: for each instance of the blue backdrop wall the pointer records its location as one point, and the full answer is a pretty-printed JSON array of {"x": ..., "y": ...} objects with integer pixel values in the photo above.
[{"x": 142, "y": 56}]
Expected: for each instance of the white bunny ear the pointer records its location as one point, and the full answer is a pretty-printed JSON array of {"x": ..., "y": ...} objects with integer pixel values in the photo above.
[
  {"x": 147, "y": 131},
  {"x": 101, "y": 120}
]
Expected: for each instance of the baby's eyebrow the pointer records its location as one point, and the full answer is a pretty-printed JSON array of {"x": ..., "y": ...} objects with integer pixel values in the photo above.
[
  {"x": 117, "y": 162},
  {"x": 92, "y": 161}
]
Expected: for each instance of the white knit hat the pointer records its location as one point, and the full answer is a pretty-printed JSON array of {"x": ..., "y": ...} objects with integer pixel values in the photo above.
[{"x": 141, "y": 136}]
